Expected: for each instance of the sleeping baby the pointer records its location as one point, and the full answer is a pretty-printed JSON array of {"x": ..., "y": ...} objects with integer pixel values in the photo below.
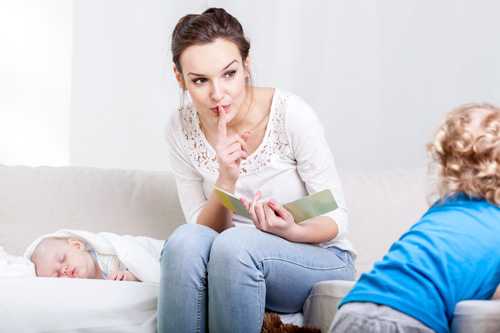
[
  {"x": 85, "y": 255},
  {"x": 73, "y": 258}
]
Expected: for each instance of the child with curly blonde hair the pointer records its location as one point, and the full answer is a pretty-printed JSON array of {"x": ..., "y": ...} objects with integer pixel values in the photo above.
[{"x": 453, "y": 252}]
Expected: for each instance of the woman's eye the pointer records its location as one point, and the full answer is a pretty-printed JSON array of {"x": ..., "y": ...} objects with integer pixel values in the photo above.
[
  {"x": 199, "y": 81},
  {"x": 229, "y": 74}
]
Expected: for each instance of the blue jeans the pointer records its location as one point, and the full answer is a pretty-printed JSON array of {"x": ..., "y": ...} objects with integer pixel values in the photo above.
[{"x": 224, "y": 282}]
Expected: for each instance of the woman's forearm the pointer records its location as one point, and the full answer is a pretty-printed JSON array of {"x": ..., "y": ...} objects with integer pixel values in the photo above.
[
  {"x": 316, "y": 230},
  {"x": 214, "y": 214}
]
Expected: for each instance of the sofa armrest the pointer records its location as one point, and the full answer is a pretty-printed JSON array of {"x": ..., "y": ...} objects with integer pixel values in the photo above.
[
  {"x": 321, "y": 305},
  {"x": 477, "y": 317}
]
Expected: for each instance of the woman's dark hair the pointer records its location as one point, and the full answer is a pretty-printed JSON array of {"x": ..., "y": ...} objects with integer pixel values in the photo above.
[{"x": 199, "y": 29}]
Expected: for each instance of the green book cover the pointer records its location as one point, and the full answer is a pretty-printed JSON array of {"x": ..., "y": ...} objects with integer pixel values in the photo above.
[
  {"x": 312, "y": 205},
  {"x": 231, "y": 202},
  {"x": 302, "y": 209}
]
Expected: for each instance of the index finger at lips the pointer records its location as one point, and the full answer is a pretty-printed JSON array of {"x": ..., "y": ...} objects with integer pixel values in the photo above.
[{"x": 222, "y": 123}]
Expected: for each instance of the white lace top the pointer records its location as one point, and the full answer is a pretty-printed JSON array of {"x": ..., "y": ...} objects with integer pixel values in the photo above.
[{"x": 292, "y": 161}]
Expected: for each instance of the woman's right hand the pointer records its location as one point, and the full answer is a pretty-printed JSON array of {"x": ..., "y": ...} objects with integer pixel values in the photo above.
[{"x": 230, "y": 151}]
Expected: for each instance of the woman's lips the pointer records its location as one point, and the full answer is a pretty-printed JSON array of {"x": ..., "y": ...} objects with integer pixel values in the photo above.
[{"x": 216, "y": 109}]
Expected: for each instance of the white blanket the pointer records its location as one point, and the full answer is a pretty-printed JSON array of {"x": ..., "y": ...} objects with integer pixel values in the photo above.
[
  {"x": 141, "y": 255},
  {"x": 15, "y": 266}
]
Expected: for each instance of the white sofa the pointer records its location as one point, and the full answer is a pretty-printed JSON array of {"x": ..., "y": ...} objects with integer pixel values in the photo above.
[{"x": 34, "y": 201}]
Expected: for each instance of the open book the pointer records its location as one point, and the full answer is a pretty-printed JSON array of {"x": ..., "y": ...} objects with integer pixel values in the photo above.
[{"x": 302, "y": 209}]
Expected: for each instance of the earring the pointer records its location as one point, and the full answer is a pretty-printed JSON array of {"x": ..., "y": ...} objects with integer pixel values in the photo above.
[{"x": 182, "y": 99}]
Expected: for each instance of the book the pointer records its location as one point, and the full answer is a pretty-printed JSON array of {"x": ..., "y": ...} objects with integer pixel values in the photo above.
[{"x": 302, "y": 209}]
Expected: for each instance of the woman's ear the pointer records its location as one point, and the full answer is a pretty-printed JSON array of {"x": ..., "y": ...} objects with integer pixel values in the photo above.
[
  {"x": 76, "y": 244},
  {"x": 248, "y": 67},
  {"x": 179, "y": 78}
]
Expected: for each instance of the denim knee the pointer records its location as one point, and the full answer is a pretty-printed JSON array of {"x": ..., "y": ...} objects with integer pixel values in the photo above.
[
  {"x": 189, "y": 241},
  {"x": 231, "y": 249}
]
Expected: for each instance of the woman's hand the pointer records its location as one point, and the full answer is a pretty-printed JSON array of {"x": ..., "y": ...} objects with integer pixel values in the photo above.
[
  {"x": 230, "y": 151},
  {"x": 270, "y": 217}
]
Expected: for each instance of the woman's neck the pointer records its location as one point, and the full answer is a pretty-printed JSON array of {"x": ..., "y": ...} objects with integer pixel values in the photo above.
[{"x": 244, "y": 116}]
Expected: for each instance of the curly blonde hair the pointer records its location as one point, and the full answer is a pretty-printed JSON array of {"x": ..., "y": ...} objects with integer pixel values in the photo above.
[{"x": 466, "y": 151}]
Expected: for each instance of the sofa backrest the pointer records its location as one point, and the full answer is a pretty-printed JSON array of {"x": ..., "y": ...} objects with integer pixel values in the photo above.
[
  {"x": 381, "y": 207},
  {"x": 36, "y": 201}
]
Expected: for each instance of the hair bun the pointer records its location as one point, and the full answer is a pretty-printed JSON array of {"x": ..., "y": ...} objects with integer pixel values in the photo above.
[{"x": 215, "y": 11}]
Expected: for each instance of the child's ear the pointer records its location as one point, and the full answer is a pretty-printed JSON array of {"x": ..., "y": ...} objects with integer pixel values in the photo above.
[
  {"x": 179, "y": 78},
  {"x": 76, "y": 244}
]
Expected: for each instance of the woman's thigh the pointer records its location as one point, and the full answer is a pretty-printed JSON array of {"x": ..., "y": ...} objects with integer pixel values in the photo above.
[{"x": 289, "y": 269}]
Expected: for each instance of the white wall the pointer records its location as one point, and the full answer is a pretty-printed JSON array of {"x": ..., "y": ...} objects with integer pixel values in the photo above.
[
  {"x": 35, "y": 75},
  {"x": 379, "y": 73},
  {"x": 123, "y": 87}
]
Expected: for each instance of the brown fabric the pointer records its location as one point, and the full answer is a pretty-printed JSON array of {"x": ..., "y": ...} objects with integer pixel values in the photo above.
[{"x": 272, "y": 324}]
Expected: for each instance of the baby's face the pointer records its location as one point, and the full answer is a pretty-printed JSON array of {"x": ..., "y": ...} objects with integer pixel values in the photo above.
[{"x": 65, "y": 258}]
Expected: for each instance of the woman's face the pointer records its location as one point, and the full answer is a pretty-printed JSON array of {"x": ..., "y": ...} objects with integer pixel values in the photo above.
[{"x": 214, "y": 75}]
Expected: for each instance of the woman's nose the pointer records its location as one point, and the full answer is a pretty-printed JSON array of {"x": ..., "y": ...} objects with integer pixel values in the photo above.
[{"x": 216, "y": 93}]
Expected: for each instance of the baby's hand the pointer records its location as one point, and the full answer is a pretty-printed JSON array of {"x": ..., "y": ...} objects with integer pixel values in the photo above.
[{"x": 122, "y": 276}]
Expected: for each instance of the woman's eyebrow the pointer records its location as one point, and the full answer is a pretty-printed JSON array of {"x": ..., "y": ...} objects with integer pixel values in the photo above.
[{"x": 196, "y": 74}]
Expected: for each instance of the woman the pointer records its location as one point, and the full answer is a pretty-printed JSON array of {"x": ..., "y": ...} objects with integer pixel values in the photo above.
[{"x": 216, "y": 273}]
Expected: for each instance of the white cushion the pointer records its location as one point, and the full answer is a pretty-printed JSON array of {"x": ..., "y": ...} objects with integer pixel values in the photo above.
[
  {"x": 477, "y": 317},
  {"x": 77, "y": 305}
]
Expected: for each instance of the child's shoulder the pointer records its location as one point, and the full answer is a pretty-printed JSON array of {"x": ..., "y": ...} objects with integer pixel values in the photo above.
[{"x": 464, "y": 208}]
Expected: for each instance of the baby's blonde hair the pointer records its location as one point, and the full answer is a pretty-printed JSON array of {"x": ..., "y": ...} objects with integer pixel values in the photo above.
[
  {"x": 466, "y": 151},
  {"x": 47, "y": 242}
]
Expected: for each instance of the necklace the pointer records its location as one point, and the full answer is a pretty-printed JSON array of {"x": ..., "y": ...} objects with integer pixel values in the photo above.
[{"x": 257, "y": 125}]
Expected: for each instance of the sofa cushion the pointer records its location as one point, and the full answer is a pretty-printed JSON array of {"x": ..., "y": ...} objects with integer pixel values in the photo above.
[
  {"x": 321, "y": 305},
  {"x": 477, "y": 316}
]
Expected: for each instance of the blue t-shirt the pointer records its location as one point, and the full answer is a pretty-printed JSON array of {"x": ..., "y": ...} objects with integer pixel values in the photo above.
[{"x": 452, "y": 254}]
